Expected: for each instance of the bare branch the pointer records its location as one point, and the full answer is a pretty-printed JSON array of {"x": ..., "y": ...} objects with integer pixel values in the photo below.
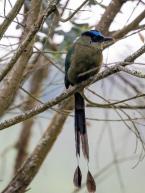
[
  {"x": 107, "y": 105},
  {"x": 132, "y": 72},
  {"x": 109, "y": 15},
  {"x": 23, "y": 141},
  {"x": 51, "y": 8},
  {"x": 133, "y": 25},
  {"x": 9, "y": 18},
  {"x": 30, "y": 168}
]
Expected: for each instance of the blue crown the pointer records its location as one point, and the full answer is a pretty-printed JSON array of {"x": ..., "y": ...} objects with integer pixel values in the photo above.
[
  {"x": 96, "y": 36},
  {"x": 92, "y": 33}
]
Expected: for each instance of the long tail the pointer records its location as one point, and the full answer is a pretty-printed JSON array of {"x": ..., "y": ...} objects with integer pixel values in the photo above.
[
  {"x": 80, "y": 126},
  {"x": 81, "y": 135}
]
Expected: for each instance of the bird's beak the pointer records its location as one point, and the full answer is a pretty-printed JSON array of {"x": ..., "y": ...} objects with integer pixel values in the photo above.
[{"x": 108, "y": 39}]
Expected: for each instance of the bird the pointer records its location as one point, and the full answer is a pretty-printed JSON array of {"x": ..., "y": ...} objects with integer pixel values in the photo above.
[{"x": 83, "y": 60}]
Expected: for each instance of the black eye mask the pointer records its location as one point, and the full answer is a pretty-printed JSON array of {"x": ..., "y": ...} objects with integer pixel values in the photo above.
[{"x": 97, "y": 39}]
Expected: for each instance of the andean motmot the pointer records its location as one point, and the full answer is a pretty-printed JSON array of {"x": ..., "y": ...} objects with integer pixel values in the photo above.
[{"x": 83, "y": 60}]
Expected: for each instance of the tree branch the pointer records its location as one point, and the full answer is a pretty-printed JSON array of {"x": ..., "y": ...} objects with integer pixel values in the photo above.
[
  {"x": 109, "y": 15},
  {"x": 71, "y": 91},
  {"x": 133, "y": 25},
  {"x": 51, "y": 8},
  {"x": 32, "y": 165},
  {"x": 11, "y": 15}
]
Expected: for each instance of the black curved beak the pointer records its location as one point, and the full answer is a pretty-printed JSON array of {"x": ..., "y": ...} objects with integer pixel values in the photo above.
[{"x": 108, "y": 38}]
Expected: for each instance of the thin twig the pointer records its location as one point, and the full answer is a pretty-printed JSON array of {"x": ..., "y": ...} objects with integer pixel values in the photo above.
[{"x": 69, "y": 17}]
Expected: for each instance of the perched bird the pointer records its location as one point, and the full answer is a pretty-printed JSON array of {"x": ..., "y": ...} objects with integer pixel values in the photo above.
[{"x": 83, "y": 60}]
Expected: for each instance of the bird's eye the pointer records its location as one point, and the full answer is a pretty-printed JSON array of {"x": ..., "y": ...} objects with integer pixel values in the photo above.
[{"x": 97, "y": 39}]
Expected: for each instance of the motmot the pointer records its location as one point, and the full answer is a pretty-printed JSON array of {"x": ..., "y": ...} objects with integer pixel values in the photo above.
[{"x": 83, "y": 60}]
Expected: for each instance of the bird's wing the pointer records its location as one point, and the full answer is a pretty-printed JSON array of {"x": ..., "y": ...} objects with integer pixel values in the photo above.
[{"x": 67, "y": 65}]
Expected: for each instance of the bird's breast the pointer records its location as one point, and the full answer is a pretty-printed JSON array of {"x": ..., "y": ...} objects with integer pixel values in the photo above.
[{"x": 84, "y": 58}]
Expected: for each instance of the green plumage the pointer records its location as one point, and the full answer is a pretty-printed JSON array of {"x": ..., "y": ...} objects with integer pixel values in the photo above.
[
  {"x": 82, "y": 57},
  {"x": 67, "y": 65}
]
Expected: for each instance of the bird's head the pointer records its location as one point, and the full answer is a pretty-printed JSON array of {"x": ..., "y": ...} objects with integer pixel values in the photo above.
[{"x": 96, "y": 38}]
